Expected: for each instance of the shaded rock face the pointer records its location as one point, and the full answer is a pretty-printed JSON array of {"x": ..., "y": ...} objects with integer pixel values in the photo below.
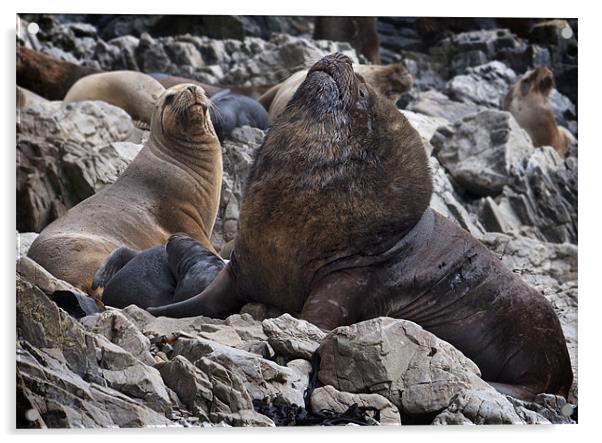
[{"x": 64, "y": 155}]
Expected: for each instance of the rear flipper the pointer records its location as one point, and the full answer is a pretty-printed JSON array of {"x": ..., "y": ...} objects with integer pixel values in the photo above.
[
  {"x": 111, "y": 265},
  {"x": 220, "y": 299}
]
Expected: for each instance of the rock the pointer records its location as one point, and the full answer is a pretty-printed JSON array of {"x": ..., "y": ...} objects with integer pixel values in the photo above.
[
  {"x": 479, "y": 407},
  {"x": 64, "y": 155},
  {"x": 237, "y": 154},
  {"x": 78, "y": 378},
  {"x": 118, "y": 329},
  {"x": 329, "y": 398},
  {"x": 545, "y": 408},
  {"x": 435, "y": 104},
  {"x": 291, "y": 337},
  {"x": 425, "y": 125},
  {"x": 262, "y": 378},
  {"x": 484, "y": 85},
  {"x": 445, "y": 201},
  {"x": 24, "y": 241},
  {"x": 482, "y": 151},
  {"x": 416, "y": 371}
]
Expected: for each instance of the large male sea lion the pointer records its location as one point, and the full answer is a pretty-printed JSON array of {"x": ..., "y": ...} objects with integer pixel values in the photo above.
[
  {"x": 334, "y": 226},
  {"x": 528, "y": 101},
  {"x": 389, "y": 80},
  {"x": 134, "y": 92},
  {"x": 173, "y": 185}
]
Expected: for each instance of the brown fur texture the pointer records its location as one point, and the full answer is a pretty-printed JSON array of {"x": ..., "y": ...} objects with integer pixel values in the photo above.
[
  {"x": 388, "y": 80},
  {"x": 173, "y": 185},
  {"x": 134, "y": 92},
  {"x": 47, "y": 76},
  {"x": 528, "y": 101},
  {"x": 360, "y": 32}
]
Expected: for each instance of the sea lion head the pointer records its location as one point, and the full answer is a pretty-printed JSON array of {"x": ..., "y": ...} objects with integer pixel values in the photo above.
[
  {"x": 540, "y": 81},
  {"x": 389, "y": 80},
  {"x": 182, "y": 113}
]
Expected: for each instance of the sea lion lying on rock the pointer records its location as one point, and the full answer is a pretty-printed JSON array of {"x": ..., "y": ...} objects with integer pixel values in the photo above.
[
  {"x": 173, "y": 185},
  {"x": 134, "y": 92},
  {"x": 157, "y": 276},
  {"x": 389, "y": 80},
  {"x": 229, "y": 111},
  {"x": 528, "y": 101},
  {"x": 335, "y": 227}
]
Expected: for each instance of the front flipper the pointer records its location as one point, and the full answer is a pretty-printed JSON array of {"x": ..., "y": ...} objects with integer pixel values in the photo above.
[
  {"x": 221, "y": 299},
  {"x": 111, "y": 265},
  {"x": 339, "y": 299}
]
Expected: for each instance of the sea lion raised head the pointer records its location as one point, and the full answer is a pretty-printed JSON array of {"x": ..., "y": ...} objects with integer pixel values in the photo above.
[{"x": 528, "y": 101}]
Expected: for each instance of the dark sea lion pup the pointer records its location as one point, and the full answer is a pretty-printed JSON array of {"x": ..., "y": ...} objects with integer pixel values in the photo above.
[
  {"x": 157, "y": 276},
  {"x": 173, "y": 185},
  {"x": 229, "y": 111},
  {"x": 335, "y": 227}
]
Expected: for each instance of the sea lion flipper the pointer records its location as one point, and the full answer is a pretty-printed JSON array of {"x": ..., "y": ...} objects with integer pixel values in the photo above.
[
  {"x": 111, "y": 265},
  {"x": 221, "y": 298}
]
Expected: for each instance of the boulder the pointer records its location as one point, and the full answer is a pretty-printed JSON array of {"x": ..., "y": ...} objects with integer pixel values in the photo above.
[
  {"x": 291, "y": 337},
  {"x": 484, "y": 85},
  {"x": 436, "y": 104}
]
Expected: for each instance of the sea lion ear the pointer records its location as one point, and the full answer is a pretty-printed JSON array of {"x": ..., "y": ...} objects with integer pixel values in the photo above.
[{"x": 525, "y": 85}]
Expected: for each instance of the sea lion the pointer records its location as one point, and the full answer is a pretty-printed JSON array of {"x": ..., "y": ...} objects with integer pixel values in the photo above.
[
  {"x": 528, "y": 101},
  {"x": 47, "y": 76},
  {"x": 389, "y": 80},
  {"x": 173, "y": 185},
  {"x": 28, "y": 99},
  {"x": 157, "y": 276},
  {"x": 229, "y": 111},
  {"x": 360, "y": 32},
  {"x": 134, "y": 92},
  {"x": 335, "y": 227}
]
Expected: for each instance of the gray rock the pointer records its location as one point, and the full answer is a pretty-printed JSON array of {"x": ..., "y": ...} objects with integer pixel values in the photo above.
[
  {"x": 416, "y": 371},
  {"x": 482, "y": 151},
  {"x": 329, "y": 398},
  {"x": 545, "y": 408},
  {"x": 435, "y": 104},
  {"x": 64, "y": 155},
  {"x": 425, "y": 125},
  {"x": 291, "y": 337},
  {"x": 484, "y": 85}
]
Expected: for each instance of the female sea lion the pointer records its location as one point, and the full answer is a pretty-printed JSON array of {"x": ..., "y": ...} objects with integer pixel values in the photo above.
[
  {"x": 173, "y": 185},
  {"x": 134, "y": 92},
  {"x": 389, "y": 80},
  {"x": 335, "y": 225},
  {"x": 157, "y": 276},
  {"x": 528, "y": 101}
]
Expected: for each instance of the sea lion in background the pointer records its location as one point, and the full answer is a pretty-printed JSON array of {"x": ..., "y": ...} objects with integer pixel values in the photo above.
[
  {"x": 157, "y": 276},
  {"x": 173, "y": 185},
  {"x": 27, "y": 99},
  {"x": 528, "y": 101},
  {"x": 389, "y": 80},
  {"x": 134, "y": 92},
  {"x": 360, "y": 32},
  {"x": 168, "y": 80},
  {"x": 335, "y": 227},
  {"x": 229, "y": 111},
  {"x": 47, "y": 76}
]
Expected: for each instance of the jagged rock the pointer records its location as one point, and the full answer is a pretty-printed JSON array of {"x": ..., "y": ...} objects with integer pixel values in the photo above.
[
  {"x": 329, "y": 398},
  {"x": 237, "y": 155},
  {"x": 436, "y": 104},
  {"x": 80, "y": 379},
  {"x": 545, "y": 408},
  {"x": 425, "y": 125},
  {"x": 118, "y": 329},
  {"x": 479, "y": 407},
  {"x": 483, "y": 85},
  {"x": 416, "y": 371},
  {"x": 64, "y": 155},
  {"x": 262, "y": 378},
  {"x": 482, "y": 151},
  {"x": 446, "y": 202},
  {"x": 291, "y": 337}
]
